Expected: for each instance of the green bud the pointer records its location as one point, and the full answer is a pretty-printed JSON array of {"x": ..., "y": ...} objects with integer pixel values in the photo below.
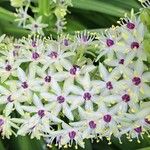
[
  {"x": 147, "y": 48},
  {"x": 60, "y": 12},
  {"x": 17, "y": 3},
  {"x": 145, "y": 17}
]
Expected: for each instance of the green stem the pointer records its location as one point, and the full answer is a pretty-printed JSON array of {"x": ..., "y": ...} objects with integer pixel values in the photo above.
[{"x": 44, "y": 8}]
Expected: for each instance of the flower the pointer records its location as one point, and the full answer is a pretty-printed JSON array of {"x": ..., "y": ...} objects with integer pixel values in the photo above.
[
  {"x": 47, "y": 77},
  {"x": 22, "y": 16},
  {"x": 36, "y": 26},
  {"x": 122, "y": 63},
  {"x": 66, "y": 136},
  {"x": 27, "y": 84},
  {"x": 109, "y": 83},
  {"x": 137, "y": 80},
  {"x": 109, "y": 42},
  {"x": 86, "y": 94},
  {"x": 84, "y": 38},
  {"x": 59, "y": 99},
  {"x": 39, "y": 122},
  {"x": 56, "y": 56},
  {"x": 6, "y": 125},
  {"x": 12, "y": 98}
]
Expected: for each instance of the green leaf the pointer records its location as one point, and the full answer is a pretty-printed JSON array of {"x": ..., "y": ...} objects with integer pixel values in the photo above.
[
  {"x": 145, "y": 148},
  {"x": 99, "y": 6},
  {"x": 1, "y": 146},
  {"x": 6, "y": 15}
]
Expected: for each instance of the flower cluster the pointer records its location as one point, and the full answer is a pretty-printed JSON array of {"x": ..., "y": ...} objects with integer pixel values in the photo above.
[
  {"x": 55, "y": 89},
  {"x": 43, "y": 12}
]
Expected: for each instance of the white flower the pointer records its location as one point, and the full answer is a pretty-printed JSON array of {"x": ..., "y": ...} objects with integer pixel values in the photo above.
[
  {"x": 40, "y": 122},
  {"x": 109, "y": 42},
  {"x": 6, "y": 125},
  {"x": 122, "y": 63},
  {"x": 27, "y": 84},
  {"x": 137, "y": 81},
  {"x": 109, "y": 83},
  {"x": 8, "y": 68},
  {"x": 84, "y": 38},
  {"x": 86, "y": 94},
  {"x": 12, "y": 98},
  {"x": 47, "y": 77},
  {"x": 57, "y": 56},
  {"x": 132, "y": 25},
  {"x": 22, "y": 16},
  {"x": 74, "y": 71},
  {"x": 66, "y": 136},
  {"x": 123, "y": 101},
  {"x": 36, "y": 26},
  {"x": 33, "y": 50},
  {"x": 59, "y": 99}
]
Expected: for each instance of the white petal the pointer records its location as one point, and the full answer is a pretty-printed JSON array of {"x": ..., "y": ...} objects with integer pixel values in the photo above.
[
  {"x": 67, "y": 112},
  {"x": 55, "y": 86},
  {"x": 76, "y": 90},
  {"x": 32, "y": 71},
  {"x": 88, "y": 105},
  {"x": 103, "y": 72},
  {"x": 48, "y": 96},
  {"x": 8, "y": 109},
  {"x": 19, "y": 108},
  {"x": 138, "y": 67},
  {"x": 21, "y": 75},
  {"x": 29, "y": 108},
  {"x": 37, "y": 102},
  {"x": 3, "y": 90},
  {"x": 66, "y": 64}
]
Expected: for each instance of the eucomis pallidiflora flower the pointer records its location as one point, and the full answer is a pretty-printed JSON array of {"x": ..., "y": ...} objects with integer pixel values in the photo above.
[{"x": 59, "y": 93}]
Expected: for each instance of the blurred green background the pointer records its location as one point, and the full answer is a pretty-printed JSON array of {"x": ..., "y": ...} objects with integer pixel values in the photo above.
[{"x": 85, "y": 14}]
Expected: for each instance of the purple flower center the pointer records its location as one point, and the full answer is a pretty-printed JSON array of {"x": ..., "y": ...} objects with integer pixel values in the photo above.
[
  {"x": 66, "y": 43},
  {"x": 60, "y": 99},
  {"x": 74, "y": 69},
  {"x": 138, "y": 129},
  {"x": 126, "y": 98},
  {"x": 34, "y": 44},
  {"x": 35, "y": 55},
  {"x": 17, "y": 46},
  {"x": 9, "y": 99},
  {"x": 72, "y": 135},
  {"x": 92, "y": 124},
  {"x": 47, "y": 78},
  {"x": 135, "y": 45},
  {"x": 107, "y": 118},
  {"x": 15, "y": 53},
  {"x": 109, "y": 42},
  {"x": 121, "y": 61},
  {"x": 147, "y": 120},
  {"x": 1, "y": 122},
  {"x": 136, "y": 81},
  {"x": 24, "y": 85},
  {"x": 8, "y": 68},
  {"x": 109, "y": 85},
  {"x": 87, "y": 96},
  {"x": 130, "y": 25},
  {"x": 84, "y": 38},
  {"x": 36, "y": 26},
  {"x": 41, "y": 113},
  {"x": 53, "y": 55}
]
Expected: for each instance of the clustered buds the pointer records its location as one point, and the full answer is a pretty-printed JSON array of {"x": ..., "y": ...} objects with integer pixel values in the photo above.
[
  {"x": 44, "y": 12},
  {"x": 69, "y": 89}
]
